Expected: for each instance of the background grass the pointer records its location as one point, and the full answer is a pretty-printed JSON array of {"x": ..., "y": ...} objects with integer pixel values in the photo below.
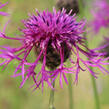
[{"x": 12, "y": 97}]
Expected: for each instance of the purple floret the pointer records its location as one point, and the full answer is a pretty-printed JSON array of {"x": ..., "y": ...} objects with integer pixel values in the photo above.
[{"x": 56, "y": 28}]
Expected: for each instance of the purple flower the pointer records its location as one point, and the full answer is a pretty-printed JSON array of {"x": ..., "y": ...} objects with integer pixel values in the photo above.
[
  {"x": 100, "y": 15},
  {"x": 48, "y": 33},
  {"x": 3, "y": 13}
]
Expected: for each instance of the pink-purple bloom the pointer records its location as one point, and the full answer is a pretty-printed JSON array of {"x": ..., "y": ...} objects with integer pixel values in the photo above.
[
  {"x": 3, "y": 13},
  {"x": 56, "y": 29},
  {"x": 100, "y": 14}
]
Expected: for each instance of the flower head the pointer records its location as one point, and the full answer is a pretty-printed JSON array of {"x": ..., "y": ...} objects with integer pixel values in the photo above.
[
  {"x": 3, "y": 13},
  {"x": 100, "y": 14},
  {"x": 55, "y": 37}
]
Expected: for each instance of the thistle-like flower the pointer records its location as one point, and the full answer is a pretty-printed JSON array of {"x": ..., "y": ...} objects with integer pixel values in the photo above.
[
  {"x": 100, "y": 15},
  {"x": 3, "y": 13},
  {"x": 55, "y": 37}
]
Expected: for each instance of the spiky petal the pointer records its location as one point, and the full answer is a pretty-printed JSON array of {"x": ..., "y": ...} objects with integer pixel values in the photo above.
[{"x": 1, "y": 6}]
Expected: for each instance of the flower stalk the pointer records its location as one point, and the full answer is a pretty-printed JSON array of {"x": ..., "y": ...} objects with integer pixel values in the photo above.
[
  {"x": 51, "y": 100},
  {"x": 70, "y": 89},
  {"x": 96, "y": 96}
]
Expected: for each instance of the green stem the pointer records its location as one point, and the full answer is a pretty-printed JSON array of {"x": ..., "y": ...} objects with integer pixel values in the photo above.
[
  {"x": 96, "y": 96},
  {"x": 70, "y": 87},
  {"x": 51, "y": 100}
]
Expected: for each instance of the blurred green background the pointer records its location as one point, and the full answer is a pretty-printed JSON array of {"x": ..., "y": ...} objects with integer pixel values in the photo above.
[{"x": 12, "y": 97}]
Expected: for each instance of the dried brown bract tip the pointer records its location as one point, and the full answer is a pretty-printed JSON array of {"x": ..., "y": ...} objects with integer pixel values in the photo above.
[
  {"x": 68, "y": 5},
  {"x": 105, "y": 45},
  {"x": 53, "y": 58}
]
